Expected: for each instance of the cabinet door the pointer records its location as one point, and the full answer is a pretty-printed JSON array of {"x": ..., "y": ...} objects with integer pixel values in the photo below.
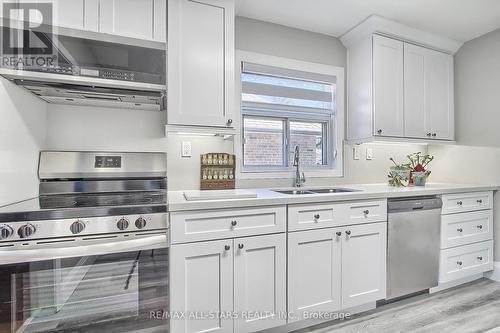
[
  {"x": 439, "y": 104},
  {"x": 314, "y": 271},
  {"x": 201, "y": 61},
  {"x": 201, "y": 282},
  {"x": 415, "y": 115},
  {"x": 129, "y": 18},
  {"x": 363, "y": 264},
  {"x": 388, "y": 87},
  {"x": 259, "y": 282},
  {"x": 428, "y": 93}
]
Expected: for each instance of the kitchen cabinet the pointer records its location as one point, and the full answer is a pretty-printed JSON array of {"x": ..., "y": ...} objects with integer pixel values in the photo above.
[
  {"x": 336, "y": 268},
  {"x": 244, "y": 275},
  {"x": 428, "y": 93},
  {"x": 398, "y": 91},
  {"x": 260, "y": 282},
  {"x": 201, "y": 63},
  {"x": 145, "y": 19},
  {"x": 388, "y": 87},
  {"x": 363, "y": 264},
  {"x": 201, "y": 280}
]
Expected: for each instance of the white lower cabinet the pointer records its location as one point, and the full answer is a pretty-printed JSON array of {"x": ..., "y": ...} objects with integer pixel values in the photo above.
[
  {"x": 259, "y": 282},
  {"x": 243, "y": 276},
  {"x": 336, "y": 268},
  {"x": 364, "y": 264}
]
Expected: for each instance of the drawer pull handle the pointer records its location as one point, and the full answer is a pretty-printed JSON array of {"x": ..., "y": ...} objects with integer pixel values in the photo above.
[
  {"x": 348, "y": 232},
  {"x": 479, "y": 201},
  {"x": 240, "y": 246},
  {"x": 366, "y": 212},
  {"x": 316, "y": 217},
  {"x": 479, "y": 227},
  {"x": 227, "y": 247},
  {"x": 460, "y": 230},
  {"x": 338, "y": 233},
  {"x": 480, "y": 258},
  {"x": 234, "y": 223},
  {"x": 460, "y": 203},
  {"x": 459, "y": 263}
]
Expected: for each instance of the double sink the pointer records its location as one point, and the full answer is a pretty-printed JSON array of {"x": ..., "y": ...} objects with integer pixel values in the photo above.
[{"x": 316, "y": 191}]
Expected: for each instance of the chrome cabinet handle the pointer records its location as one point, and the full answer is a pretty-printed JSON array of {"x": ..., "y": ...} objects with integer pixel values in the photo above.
[
  {"x": 234, "y": 223},
  {"x": 227, "y": 247},
  {"x": 479, "y": 227},
  {"x": 459, "y": 263},
  {"x": 316, "y": 217},
  {"x": 348, "y": 232},
  {"x": 460, "y": 230},
  {"x": 229, "y": 122},
  {"x": 480, "y": 258},
  {"x": 338, "y": 233},
  {"x": 240, "y": 246},
  {"x": 460, "y": 203}
]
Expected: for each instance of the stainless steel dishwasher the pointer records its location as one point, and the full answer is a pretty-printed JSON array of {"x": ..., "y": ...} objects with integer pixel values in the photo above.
[{"x": 413, "y": 242}]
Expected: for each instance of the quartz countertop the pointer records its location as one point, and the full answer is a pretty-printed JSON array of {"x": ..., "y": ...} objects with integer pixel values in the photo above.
[{"x": 267, "y": 197}]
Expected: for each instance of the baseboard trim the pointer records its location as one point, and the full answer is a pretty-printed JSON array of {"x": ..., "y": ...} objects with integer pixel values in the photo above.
[
  {"x": 451, "y": 284},
  {"x": 495, "y": 273}
]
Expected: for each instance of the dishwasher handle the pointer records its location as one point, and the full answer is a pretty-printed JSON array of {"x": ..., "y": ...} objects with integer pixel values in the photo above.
[{"x": 413, "y": 204}]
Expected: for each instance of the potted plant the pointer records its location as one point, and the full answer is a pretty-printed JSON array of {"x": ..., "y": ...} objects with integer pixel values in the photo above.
[
  {"x": 399, "y": 174},
  {"x": 418, "y": 164}
]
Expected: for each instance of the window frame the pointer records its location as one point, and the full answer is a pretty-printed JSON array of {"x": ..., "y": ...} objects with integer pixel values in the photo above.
[{"x": 333, "y": 147}]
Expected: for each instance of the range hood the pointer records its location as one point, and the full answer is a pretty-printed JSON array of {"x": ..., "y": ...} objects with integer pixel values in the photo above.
[{"x": 89, "y": 69}]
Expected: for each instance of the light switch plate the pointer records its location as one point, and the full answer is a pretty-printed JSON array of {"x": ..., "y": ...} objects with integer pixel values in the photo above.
[
  {"x": 355, "y": 152},
  {"x": 186, "y": 149},
  {"x": 369, "y": 154}
]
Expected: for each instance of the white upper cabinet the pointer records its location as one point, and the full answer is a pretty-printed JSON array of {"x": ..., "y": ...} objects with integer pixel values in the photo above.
[
  {"x": 201, "y": 63},
  {"x": 388, "y": 87},
  {"x": 144, "y": 19},
  {"x": 398, "y": 91},
  {"x": 428, "y": 93}
]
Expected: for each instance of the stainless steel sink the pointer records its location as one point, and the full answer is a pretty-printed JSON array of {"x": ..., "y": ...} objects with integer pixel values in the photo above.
[
  {"x": 295, "y": 192},
  {"x": 333, "y": 190}
]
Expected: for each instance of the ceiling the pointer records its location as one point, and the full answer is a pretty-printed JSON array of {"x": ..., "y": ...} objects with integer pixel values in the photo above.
[{"x": 461, "y": 20}]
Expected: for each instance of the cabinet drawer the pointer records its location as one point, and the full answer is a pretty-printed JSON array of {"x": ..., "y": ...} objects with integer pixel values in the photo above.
[
  {"x": 217, "y": 224},
  {"x": 304, "y": 217},
  {"x": 467, "y": 202},
  {"x": 466, "y": 228},
  {"x": 365, "y": 212},
  {"x": 463, "y": 261}
]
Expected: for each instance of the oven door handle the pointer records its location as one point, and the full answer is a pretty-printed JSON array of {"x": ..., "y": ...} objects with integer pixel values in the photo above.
[{"x": 79, "y": 248}]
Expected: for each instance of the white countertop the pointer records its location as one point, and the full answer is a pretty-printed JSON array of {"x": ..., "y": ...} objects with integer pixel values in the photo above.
[{"x": 267, "y": 197}]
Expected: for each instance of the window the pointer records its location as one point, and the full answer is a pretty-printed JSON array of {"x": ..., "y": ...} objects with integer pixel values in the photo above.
[{"x": 283, "y": 107}]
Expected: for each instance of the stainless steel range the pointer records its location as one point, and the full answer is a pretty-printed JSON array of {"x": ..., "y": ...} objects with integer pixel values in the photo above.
[{"x": 91, "y": 253}]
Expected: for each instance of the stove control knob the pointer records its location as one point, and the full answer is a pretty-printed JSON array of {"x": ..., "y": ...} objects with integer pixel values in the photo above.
[
  {"x": 140, "y": 223},
  {"x": 5, "y": 231},
  {"x": 26, "y": 230},
  {"x": 77, "y": 227},
  {"x": 122, "y": 224}
]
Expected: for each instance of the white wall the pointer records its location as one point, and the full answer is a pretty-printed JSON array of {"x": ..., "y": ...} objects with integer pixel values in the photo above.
[
  {"x": 476, "y": 159},
  {"x": 22, "y": 135}
]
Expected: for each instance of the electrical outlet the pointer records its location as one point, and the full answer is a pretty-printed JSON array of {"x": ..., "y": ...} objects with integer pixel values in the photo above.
[
  {"x": 369, "y": 154},
  {"x": 355, "y": 152},
  {"x": 186, "y": 149}
]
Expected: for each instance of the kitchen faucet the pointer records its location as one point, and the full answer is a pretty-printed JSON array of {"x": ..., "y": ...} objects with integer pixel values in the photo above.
[{"x": 300, "y": 178}]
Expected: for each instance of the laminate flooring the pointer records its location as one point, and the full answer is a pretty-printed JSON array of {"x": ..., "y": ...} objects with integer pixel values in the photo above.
[{"x": 473, "y": 307}]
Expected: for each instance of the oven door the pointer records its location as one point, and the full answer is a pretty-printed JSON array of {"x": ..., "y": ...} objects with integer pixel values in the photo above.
[{"x": 91, "y": 285}]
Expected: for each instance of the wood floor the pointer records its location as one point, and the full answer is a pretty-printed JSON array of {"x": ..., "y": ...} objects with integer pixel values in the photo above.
[{"x": 474, "y": 307}]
